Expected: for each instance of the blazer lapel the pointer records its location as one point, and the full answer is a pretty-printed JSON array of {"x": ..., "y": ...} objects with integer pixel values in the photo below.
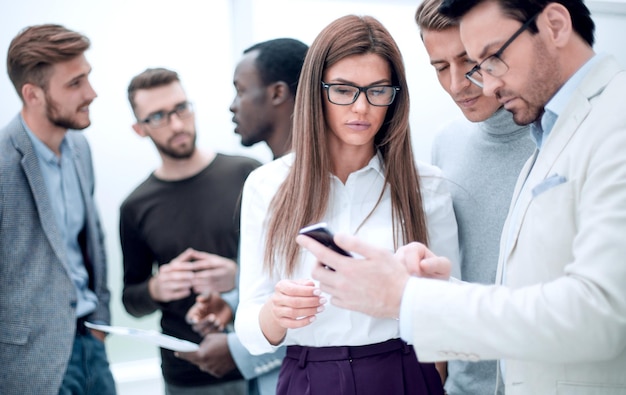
[
  {"x": 564, "y": 129},
  {"x": 30, "y": 164},
  {"x": 82, "y": 179},
  {"x": 506, "y": 247},
  {"x": 81, "y": 160},
  {"x": 84, "y": 189}
]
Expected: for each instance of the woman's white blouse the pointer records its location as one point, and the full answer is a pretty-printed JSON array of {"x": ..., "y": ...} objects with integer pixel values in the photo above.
[{"x": 349, "y": 205}]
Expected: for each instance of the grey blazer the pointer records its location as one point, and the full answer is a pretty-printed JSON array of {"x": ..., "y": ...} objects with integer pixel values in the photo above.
[
  {"x": 261, "y": 371},
  {"x": 37, "y": 297}
]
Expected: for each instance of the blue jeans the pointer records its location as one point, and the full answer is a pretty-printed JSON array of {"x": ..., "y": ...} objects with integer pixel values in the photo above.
[{"x": 88, "y": 371}]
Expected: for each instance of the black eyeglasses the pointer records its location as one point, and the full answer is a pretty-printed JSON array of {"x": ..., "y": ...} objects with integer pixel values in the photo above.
[
  {"x": 494, "y": 65},
  {"x": 162, "y": 118},
  {"x": 346, "y": 94}
]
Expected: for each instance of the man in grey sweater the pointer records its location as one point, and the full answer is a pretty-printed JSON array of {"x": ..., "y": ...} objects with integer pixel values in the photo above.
[{"x": 481, "y": 156}]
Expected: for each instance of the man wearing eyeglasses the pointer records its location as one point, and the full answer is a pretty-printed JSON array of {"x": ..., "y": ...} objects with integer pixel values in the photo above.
[
  {"x": 557, "y": 313},
  {"x": 184, "y": 218},
  {"x": 482, "y": 155}
]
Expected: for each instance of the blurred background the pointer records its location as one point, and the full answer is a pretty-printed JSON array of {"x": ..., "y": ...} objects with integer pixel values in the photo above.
[{"x": 203, "y": 41}]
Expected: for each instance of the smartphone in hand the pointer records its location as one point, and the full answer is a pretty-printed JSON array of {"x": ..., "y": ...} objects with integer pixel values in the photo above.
[{"x": 323, "y": 235}]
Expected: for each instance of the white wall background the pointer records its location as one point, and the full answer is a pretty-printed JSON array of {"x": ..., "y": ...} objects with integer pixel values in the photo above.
[{"x": 202, "y": 40}]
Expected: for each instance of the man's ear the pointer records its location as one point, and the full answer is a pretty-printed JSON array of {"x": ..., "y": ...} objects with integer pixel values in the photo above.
[
  {"x": 139, "y": 129},
  {"x": 558, "y": 21},
  {"x": 279, "y": 92},
  {"x": 32, "y": 94}
]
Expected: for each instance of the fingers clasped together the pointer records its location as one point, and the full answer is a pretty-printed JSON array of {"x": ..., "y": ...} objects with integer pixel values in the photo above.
[{"x": 193, "y": 271}]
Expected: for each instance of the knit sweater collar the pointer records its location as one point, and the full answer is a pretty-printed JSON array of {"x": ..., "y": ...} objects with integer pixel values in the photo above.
[{"x": 501, "y": 125}]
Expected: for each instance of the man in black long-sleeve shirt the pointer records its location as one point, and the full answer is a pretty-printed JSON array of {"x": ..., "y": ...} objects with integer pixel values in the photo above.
[{"x": 184, "y": 218}]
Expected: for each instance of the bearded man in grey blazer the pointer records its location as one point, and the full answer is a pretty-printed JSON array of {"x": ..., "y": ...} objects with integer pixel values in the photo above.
[{"x": 52, "y": 261}]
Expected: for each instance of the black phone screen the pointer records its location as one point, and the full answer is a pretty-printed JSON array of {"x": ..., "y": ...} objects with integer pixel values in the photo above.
[{"x": 323, "y": 235}]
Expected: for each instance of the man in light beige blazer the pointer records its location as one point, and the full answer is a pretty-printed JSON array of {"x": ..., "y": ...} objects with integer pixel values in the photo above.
[{"x": 557, "y": 315}]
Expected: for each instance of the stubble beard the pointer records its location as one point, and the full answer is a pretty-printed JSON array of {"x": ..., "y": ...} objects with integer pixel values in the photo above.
[
  {"x": 545, "y": 81},
  {"x": 183, "y": 153},
  {"x": 53, "y": 113}
]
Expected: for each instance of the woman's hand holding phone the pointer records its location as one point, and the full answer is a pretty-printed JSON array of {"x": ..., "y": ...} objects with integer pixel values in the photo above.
[{"x": 294, "y": 304}]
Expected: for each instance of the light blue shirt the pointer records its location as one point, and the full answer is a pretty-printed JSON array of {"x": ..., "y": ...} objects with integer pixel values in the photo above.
[
  {"x": 540, "y": 130},
  {"x": 61, "y": 179}
]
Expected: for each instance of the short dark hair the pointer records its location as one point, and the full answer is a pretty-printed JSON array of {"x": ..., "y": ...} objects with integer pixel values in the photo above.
[
  {"x": 523, "y": 10},
  {"x": 36, "y": 48},
  {"x": 148, "y": 79},
  {"x": 280, "y": 59}
]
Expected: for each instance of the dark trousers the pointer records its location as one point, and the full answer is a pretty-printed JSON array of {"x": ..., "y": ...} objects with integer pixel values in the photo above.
[{"x": 390, "y": 367}]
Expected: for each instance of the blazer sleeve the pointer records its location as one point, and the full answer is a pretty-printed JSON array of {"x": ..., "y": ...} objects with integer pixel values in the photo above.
[
  {"x": 253, "y": 366},
  {"x": 565, "y": 298}
]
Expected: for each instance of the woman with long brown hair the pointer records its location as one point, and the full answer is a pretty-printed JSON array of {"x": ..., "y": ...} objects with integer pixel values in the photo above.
[{"x": 352, "y": 166}]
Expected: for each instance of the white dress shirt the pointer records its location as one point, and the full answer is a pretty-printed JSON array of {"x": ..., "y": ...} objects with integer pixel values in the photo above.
[{"x": 349, "y": 205}]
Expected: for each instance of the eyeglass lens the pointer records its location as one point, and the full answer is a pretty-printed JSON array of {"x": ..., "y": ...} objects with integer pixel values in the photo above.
[
  {"x": 494, "y": 65},
  {"x": 162, "y": 118},
  {"x": 377, "y": 95}
]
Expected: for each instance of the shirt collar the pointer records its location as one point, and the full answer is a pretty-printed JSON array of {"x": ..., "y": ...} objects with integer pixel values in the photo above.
[
  {"x": 42, "y": 150},
  {"x": 557, "y": 104},
  {"x": 376, "y": 163},
  {"x": 541, "y": 128}
]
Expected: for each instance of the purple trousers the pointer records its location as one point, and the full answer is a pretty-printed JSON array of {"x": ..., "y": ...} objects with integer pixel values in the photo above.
[{"x": 390, "y": 367}]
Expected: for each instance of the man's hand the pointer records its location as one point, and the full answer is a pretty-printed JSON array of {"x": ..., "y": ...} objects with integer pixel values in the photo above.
[
  {"x": 213, "y": 356},
  {"x": 209, "y": 314},
  {"x": 195, "y": 271},
  {"x": 212, "y": 273},
  {"x": 98, "y": 334},
  {"x": 373, "y": 285},
  {"x": 421, "y": 262},
  {"x": 173, "y": 280}
]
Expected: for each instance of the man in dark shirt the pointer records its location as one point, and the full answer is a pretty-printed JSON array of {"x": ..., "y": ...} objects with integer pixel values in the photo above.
[{"x": 184, "y": 218}]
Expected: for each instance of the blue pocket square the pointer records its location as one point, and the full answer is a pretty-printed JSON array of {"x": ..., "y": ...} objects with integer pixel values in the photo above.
[{"x": 548, "y": 183}]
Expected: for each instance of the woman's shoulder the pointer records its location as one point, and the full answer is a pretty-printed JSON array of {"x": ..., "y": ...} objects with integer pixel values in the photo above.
[
  {"x": 425, "y": 169},
  {"x": 433, "y": 183},
  {"x": 273, "y": 172}
]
